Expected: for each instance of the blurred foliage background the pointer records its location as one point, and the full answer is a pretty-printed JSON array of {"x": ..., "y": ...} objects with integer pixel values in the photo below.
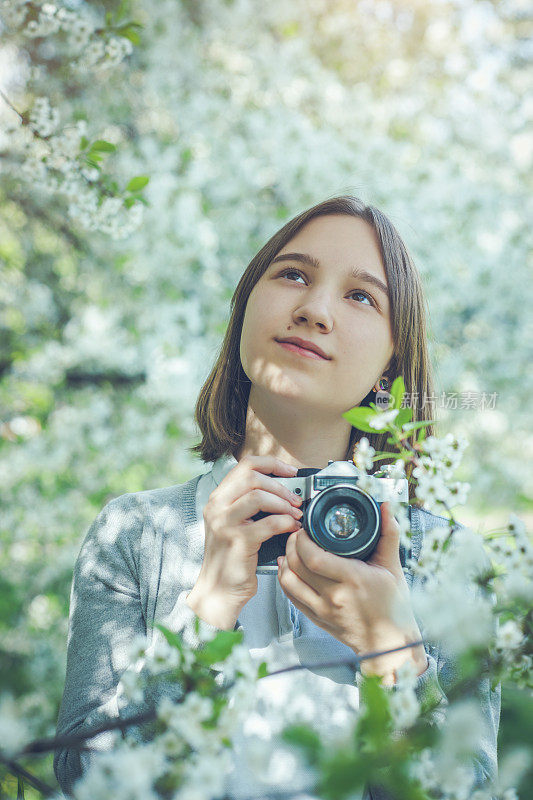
[{"x": 243, "y": 114}]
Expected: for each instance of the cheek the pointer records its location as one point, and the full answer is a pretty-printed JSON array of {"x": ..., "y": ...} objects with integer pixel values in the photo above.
[
  {"x": 254, "y": 327},
  {"x": 367, "y": 344}
]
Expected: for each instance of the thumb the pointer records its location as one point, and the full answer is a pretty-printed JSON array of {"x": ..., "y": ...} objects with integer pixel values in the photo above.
[{"x": 387, "y": 552}]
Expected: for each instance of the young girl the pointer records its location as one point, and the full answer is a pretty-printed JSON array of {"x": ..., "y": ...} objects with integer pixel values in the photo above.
[{"x": 329, "y": 311}]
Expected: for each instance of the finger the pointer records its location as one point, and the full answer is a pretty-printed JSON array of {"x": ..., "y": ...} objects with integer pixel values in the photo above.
[
  {"x": 323, "y": 563},
  {"x": 268, "y": 464},
  {"x": 258, "y": 500},
  {"x": 273, "y": 525},
  {"x": 387, "y": 552},
  {"x": 238, "y": 483},
  {"x": 299, "y": 591},
  {"x": 317, "y": 582}
]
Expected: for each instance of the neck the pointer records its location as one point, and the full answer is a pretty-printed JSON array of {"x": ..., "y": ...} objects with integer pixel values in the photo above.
[{"x": 293, "y": 433}]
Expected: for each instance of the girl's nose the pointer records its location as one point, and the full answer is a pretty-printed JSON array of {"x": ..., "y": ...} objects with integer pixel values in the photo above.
[{"x": 315, "y": 313}]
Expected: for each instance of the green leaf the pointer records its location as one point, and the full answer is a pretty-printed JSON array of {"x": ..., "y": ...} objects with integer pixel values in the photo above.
[
  {"x": 20, "y": 789},
  {"x": 186, "y": 156},
  {"x": 290, "y": 29},
  {"x": 359, "y": 417},
  {"x": 83, "y": 142},
  {"x": 138, "y": 183},
  {"x": 405, "y": 787},
  {"x": 413, "y": 426},
  {"x": 403, "y": 416},
  {"x": 174, "y": 639},
  {"x": 262, "y": 670},
  {"x": 122, "y": 10},
  {"x": 422, "y": 435},
  {"x": 219, "y": 648},
  {"x": 375, "y": 723},
  {"x": 131, "y": 34},
  {"x": 129, "y": 25},
  {"x": 128, "y": 32},
  {"x": 403, "y": 454},
  {"x": 101, "y": 146},
  {"x": 306, "y": 738},
  {"x": 397, "y": 391}
]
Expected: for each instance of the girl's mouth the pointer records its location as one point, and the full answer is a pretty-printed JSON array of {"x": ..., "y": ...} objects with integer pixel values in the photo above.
[{"x": 301, "y": 351}]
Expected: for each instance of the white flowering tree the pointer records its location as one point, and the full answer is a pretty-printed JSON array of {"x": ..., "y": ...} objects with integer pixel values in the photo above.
[
  {"x": 417, "y": 749},
  {"x": 115, "y": 290}
]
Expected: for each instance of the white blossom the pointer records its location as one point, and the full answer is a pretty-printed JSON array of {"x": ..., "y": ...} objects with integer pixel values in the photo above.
[
  {"x": 130, "y": 686},
  {"x": 161, "y": 656},
  {"x": 509, "y": 635},
  {"x": 517, "y": 586},
  {"x": 14, "y": 732},
  {"x": 512, "y": 766},
  {"x": 43, "y": 118},
  {"x": 510, "y": 794},
  {"x": 405, "y": 708},
  {"x": 125, "y": 772},
  {"x": 384, "y": 418},
  {"x": 363, "y": 453},
  {"x": 442, "y": 602}
]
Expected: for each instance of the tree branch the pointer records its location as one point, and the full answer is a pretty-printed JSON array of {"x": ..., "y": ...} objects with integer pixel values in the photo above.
[{"x": 73, "y": 740}]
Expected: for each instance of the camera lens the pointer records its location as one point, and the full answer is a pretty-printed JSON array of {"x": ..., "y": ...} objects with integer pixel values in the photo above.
[
  {"x": 341, "y": 521},
  {"x": 344, "y": 520}
]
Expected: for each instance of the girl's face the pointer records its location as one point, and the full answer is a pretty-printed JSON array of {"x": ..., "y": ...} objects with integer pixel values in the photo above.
[{"x": 346, "y": 315}]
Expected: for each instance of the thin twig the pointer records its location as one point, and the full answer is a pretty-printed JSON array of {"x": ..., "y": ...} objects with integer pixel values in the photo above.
[
  {"x": 10, "y": 104},
  {"x": 72, "y": 740},
  {"x": 19, "y": 771},
  {"x": 347, "y": 662}
]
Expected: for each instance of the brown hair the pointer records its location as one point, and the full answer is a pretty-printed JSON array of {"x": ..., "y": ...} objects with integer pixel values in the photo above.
[{"x": 222, "y": 404}]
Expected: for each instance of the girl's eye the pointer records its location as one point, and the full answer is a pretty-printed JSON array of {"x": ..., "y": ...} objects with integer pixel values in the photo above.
[
  {"x": 288, "y": 272},
  {"x": 365, "y": 295}
]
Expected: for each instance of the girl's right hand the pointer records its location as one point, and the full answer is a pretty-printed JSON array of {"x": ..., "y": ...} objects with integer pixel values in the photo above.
[{"x": 227, "y": 578}]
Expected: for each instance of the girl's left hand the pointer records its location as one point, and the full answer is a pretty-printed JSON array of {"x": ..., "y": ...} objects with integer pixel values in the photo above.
[{"x": 365, "y": 605}]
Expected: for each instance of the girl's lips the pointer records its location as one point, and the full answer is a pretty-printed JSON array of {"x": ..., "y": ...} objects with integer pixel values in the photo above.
[{"x": 301, "y": 351}]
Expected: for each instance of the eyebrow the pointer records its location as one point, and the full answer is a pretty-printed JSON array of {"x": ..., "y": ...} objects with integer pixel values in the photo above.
[{"x": 357, "y": 272}]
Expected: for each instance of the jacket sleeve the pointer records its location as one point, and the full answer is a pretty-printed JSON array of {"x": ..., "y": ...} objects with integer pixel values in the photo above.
[{"x": 106, "y": 615}]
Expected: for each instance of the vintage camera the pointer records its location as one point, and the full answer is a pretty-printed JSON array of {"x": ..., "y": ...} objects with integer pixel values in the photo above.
[{"x": 338, "y": 514}]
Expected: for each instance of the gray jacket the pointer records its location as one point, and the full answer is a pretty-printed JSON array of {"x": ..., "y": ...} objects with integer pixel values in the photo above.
[{"x": 139, "y": 559}]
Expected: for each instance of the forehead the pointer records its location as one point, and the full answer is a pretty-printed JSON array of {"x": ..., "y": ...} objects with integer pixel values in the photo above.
[{"x": 340, "y": 241}]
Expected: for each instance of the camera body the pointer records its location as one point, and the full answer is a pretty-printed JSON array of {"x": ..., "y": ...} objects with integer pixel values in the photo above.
[{"x": 338, "y": 513}]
